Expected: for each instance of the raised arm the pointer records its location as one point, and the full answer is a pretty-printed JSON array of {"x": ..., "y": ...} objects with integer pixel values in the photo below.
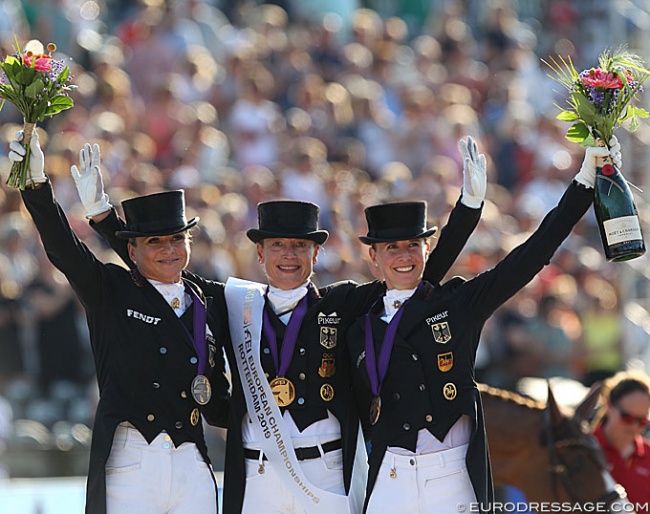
[
  {"x": 90, "y": 186},
  {"x": 464, "y": 216}
]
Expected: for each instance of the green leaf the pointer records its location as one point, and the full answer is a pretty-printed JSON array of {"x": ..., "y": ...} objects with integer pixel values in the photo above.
[
  {"x": 58, "y": 104},
  {"x": 25, "y": 76},
  {"x": 63, "y": 76},
  {"x": 567, "y": 116},
  {"x": 34, "y": 88},
  {"x": 577, "y": 133}
]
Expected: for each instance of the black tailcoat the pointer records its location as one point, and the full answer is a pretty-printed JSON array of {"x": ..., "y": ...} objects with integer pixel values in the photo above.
[
  {"x": 430, "y": 379},
  {"x": 144, "y": 357},
  {"x": 320, "y": 362}
]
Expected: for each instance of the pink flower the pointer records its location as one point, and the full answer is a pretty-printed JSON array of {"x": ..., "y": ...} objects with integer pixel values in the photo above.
[
  {"x": 41, "y": 62},
  {"x": 599, "y": 79}
]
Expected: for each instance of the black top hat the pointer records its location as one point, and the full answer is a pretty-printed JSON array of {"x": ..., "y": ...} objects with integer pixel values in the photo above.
[
  {"x": 159, "y": 214},
  {"x": 290, "y": 219},
  {"x": 399, "y": 221}
]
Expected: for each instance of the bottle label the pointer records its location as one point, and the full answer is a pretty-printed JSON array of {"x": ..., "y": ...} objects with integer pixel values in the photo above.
[{"x": 620, "y": 230}]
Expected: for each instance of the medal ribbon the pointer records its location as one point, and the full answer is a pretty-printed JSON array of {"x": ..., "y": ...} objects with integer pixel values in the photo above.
[
  {"x": 290, "y": 335},
  {"x": 198, "y": 341},
  {"x": 377, "y": 372}
]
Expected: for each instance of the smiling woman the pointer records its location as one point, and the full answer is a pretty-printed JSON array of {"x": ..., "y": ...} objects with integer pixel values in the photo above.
[{"x": 155, "y": 341}]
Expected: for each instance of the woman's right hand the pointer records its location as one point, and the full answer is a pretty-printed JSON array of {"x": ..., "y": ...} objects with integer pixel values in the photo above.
[{"x": 90, "y": 185}]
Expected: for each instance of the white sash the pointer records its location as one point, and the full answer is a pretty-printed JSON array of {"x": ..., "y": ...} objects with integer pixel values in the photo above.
[{"x": 245, "y": 303}]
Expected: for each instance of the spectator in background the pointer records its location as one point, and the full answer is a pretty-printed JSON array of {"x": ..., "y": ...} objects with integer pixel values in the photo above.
[
  {"x": 620, "y": 426},
  {"x": 54, "y": 310}
]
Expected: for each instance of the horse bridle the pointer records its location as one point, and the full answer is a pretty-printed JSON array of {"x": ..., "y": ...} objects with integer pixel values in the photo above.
[{"x": 559, "y": 472}]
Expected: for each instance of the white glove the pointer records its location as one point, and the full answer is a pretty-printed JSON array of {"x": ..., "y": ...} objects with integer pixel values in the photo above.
[
  {"x": 36, "y": 158},
  {"x": 474, "y": 174},
  {"x": 90, "y": 185},
  {"x": 587, "y": 174}
]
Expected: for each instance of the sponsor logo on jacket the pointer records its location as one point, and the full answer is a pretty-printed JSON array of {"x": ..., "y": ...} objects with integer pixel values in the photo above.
[{"x": 152, "y": 320}]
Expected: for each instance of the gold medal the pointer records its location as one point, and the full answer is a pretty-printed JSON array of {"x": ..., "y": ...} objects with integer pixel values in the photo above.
[
  {"x": 283, "y": 390},
  {"x": 195, "y": 415},
  {"x": 201, "y": 389},
  {"x": 375, "y": 410}
]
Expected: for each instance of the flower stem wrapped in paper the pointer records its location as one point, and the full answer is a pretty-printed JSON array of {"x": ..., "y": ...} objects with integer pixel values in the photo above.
[
  {"x": 600, "y": 101},
  {"x": 38, "y": 85}
]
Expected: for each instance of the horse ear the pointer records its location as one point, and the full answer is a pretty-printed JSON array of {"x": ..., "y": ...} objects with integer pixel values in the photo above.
[
  {"x": 552, "y": 406},
  {"x": 586, "y": 407}
]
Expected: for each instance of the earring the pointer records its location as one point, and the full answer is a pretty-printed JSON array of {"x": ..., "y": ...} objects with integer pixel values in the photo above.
[{"x": 260, "y": 260}]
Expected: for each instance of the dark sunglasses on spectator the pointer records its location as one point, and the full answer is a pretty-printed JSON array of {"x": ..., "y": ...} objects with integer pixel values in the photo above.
[{"x": 628, "y": 418}]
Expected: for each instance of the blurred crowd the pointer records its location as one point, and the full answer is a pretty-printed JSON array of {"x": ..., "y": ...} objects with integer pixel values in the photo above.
[{"x": 239, "y": 102}]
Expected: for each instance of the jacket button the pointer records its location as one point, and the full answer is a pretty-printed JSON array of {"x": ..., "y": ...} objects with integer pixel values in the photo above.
[
  {"x": 406, "y": 426},
  {"x": 178, "y": 425},
  {"x": 396, "y": 397},
  {"x": 150, "y": 417},
  {"x": 422, "y": 387},
  {"x": 429, "y": 418},
  {"x": 302, "y": 376}
]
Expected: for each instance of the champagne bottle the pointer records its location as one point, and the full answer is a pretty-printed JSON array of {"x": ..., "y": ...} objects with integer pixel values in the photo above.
[{"x": 616, "y": 214}]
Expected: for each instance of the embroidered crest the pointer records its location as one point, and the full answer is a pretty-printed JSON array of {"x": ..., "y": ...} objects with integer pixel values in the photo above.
[
  {"x": 445, "y": 361},
  {"x": 327, "y": 392},
  {"x": 449, "y": 391},
  {"x": 328, "y": 366},
  {"x": 441, "y": 332},
  {"x": 328, "y": 337}
]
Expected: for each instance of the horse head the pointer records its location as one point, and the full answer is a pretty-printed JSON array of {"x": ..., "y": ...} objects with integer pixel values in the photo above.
[
  {"x": 548, "y": 451},
  {"x": 577, "y": 466}
]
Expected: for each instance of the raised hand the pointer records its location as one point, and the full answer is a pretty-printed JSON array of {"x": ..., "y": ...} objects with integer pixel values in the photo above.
[
  {"x": 474, "y": 174},
  {"x": 594, "y": 156},
  {"x": 90, "y": 185},
  {"x": 17, "y": 153}
]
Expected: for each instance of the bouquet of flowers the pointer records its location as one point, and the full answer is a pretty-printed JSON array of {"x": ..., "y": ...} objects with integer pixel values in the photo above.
[
  {"x": 38, "y": 85},
  {"x": 599, "y": 98}
]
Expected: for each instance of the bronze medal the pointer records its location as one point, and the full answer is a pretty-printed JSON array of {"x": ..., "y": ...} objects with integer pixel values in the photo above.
[
  {"x": 375, "y": 410},
  {"x": 201, "y": 389},
  {"x": 195, "y": 416},
  {"x": 283, "y": 391}
]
